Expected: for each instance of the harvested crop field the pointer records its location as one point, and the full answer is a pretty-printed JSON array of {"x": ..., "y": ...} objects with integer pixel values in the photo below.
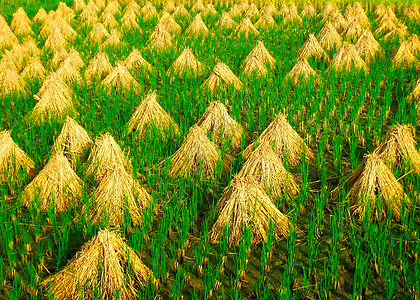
[{"x": 209, "y": 150}]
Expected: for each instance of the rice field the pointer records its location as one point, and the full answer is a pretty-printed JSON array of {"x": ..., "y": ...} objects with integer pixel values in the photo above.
[{"x": 209, "y": 150}]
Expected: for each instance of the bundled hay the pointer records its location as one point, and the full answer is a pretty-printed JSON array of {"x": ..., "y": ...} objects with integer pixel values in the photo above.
[
  {"x": 128, "y": 21},
  {"x": 292, "y": 15},
  {"x": 337, "y": 20},
  {"x": 136, "y": 62},
  {"x": 186, "y": 65},
  {"x": 404, "y": 57},
  {"x": 328, "y": 9},
  {"x": 133, "y": 7},
  {"x": 100, "y": 4},
  {"x": 160, "y": 39},
  {"x": 59, "y": 57},
  {"x": 56, "y": 186},
  {"x": 112, "y": 40},
  {"x": 8, "y": 62},
  {"x": 56, "y": 40},
  {"x": 90, "y": 13},
  {"x": 329, "y": 38},
  {"x": 150, "y": 114},
  {"x": 386, "y": 26},
  {"x": 149, "y": 11},
  {"x": 266, "y": 21},
  {"x": 21, "y": 24},
  {"x": 374, "y": 190},
  {"x": 415, "y": 94},
  {"x": 302, "y": 71},
  {"x": 261, "y": 52},
  {"x": 244, "y": 204},
  {"x": 104, "y": 266},
  {"x": 68, "y": 72},
  {"x": 11, "y": 82},
  {"x": 118, "y": 195},
  {"x": 226, "y": 22},
  {"x": 119, "y": 79},
  {"x": 222, "y": 77},
  {"x": 54, "y": 100},
  {"x": 109, "y": 20},
  {"x": 98, "y": 34},
  {"x": 252, "y": 11},
  {"x": 169, "y": 24},
  {"x": 347, "y": 59},
  {"x": 34, "y": 70},
  {"x": 198, "y": 7},
  {"x": 399, "y": 148},
  {"x": 169, "y": 7},
  {"x": 217, "y": 123},
  {"x": 353, "y": 31},
  {"x": 79, "y": 5},
  {"x": 412, "y": 12},
  {"x": 197, "y": 153},
  {"x": 98, "y": 68},
  {"x": 284, "y": 140},
  {"x": 312, "y": 48},
  {"x": 267, "y": 168},
  {"x": 13, "y": 160},
  {"x": 30, "y": 48},
  {"x": 308, "y": 11},
  {"x": 106, "y": 155},
  {"x": 387, "y": 14},
  {"x": 270, "y": 8},
  {"x": 245, "y": 29},
  {"x": 7, "y": 37},
  {"x": 253, "y": 66},
  {"x": 367, "y": 46},
  {"x": 56, "y": 21},
  {"x": 112, "y": 8},
  {"x": 197, "y": 28},
  {"x": 73, "y": 141},
  {"x": 400, "y": 31},
  {"x": 65, "y": 12},
  {"x": 235, "y": 11},
  {"x": 413, "y": 43},
  {"x": 41, "y": 16},
  {"x": 181, "y": 12},
  {"x": 209, "y": 10}
]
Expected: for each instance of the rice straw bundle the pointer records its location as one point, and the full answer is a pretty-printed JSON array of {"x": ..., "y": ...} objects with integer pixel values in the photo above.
[
  {"x": 68, "y": 73},
  {"x": 399, "y": 31},
  {"x": 209, "y": 10},
  {"x": 169, "y": 24},
  {"x": 59, "y": 57},
  {"x": 292, "y": 15},
  {"x": 148, "y": 114},
  {"x": 181, "y": 12},
  {"x": 104, "y": 266},
  {"x": 136, "y": 62},
  {"x": 30, "y": 48},
  {"x": 100, "y": 4},
  {"x": 56, "y": 186},
  {"x": 415, "y": 94},
  {"x": 399, "y": 148},
  {"x": 284, "y": 140},
  {"x": 245, "y": 29},
  {"x": 133, "y": 7},
  {"x": 302, "y": 71},
  {"x": 7, "y": 37},
  {"x": 386, "y": 26},
  {"x": 11, "y": 82},
  {"x": 222, "y": 77},
  {"x": 312, "y": 48},
  {"x": 217, "y": 123},
  {"x": 73, "y": 141},
  {"x": 253, "y": 66},
  {"x": 412, "y": 13},
  {"x": 235, "y": 11},
  {"x": 55, "y": 21},
  {"x": 34, "y": 69},
  {"x": 149, "y": 11},
  {"x": 338, "y": 21},
  {"x": 261, "y": 52},
  {"x": 266, "y": 21},
  {"x": 41, "y": 16},
  {"x": 308, "y": 11},
  {"x": 108, "y": 20},
  {"x": 197, "y": 28},
  {"x": 12, "y": 159},
  {"x": 269, "y": 8},
  {"x": 329, "y": 38},
  {"x": 98, "y": 68},
  {"x": 353, "y": 31},
  {"x": 226, "y": 21},
  {"x": 356, "y": 12},
  {"x": 284, "y": 10},
  {"x": 98, "y": 34},
  {"x": 106, "y": 155},
  {"x": 328, "y": 9},
  {"x": 346, "y": 59},
  {"x": 8, "y": 62},
  {"x": 186, "y": 65},
  {"x": 65, "y": 12},
  {"x": 55, "y": 40},
  {"x": 160, "y": 39},
  {"x": 128, "y": 21},
  {"x": 404, "y": 57},
  {"x": 55, "y": 100},
  {"x": 387, "y": 14},
  {"x": 118, "y": 195},
  {"x": 90, "y": 13},
  {"x": 245, "y": 204},
  {"x": 374, "y": 190},
  {"x": 169, "y": 7},
  {"x": 198, "y": 7},
  {"x": 120, "y": 79},
  {"x": 413, "y": 43},
  {"x": 197, "y": 153},
  {"x": 79, "y": 5},
  {"x": 252, "y": 11},
  {"x": 112, "y": 8},
  {"x": 267, "y": 169},
  {"x": 21, "y": 24},
  {"x": 380, "y": 10},
  {"x": 112, "y": 40},
  {"x": 367, "y": 46}
]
